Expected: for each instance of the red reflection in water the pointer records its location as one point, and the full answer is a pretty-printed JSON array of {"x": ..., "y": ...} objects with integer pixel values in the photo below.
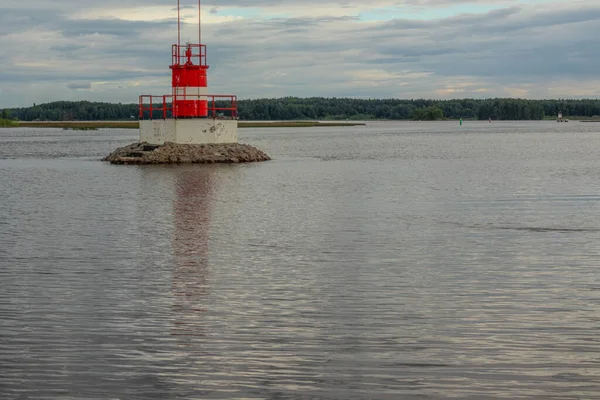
[{"x": 190, "y": 244}]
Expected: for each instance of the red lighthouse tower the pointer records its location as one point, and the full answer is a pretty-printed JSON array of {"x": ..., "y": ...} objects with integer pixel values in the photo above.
[{"x": 189, "y": 114}]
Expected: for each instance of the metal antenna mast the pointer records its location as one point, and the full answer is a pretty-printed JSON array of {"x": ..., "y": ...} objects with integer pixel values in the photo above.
[{"x": 199, "y": 24}]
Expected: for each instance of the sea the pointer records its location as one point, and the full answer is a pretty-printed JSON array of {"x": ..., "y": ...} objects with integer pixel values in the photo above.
[{"x": 395, "y": 260}]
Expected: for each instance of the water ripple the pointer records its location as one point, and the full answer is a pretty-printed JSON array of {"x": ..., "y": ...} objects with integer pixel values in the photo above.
[{"x": 420, "y": 262}]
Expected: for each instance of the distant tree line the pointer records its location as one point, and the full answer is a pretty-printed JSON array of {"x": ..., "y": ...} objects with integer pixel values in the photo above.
[
  {"x": 293, "y": 108},
  {"x": 6, "y": 119},
  {"x": 76, "y": 111}
]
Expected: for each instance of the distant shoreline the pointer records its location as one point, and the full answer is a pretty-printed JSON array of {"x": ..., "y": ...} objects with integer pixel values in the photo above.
[{"x": 92, "y": 125}]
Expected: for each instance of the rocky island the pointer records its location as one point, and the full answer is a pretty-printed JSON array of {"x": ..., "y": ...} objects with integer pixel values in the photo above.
[{"x": 173, "y": 153}]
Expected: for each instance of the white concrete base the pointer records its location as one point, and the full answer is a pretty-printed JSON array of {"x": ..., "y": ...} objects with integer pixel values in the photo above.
[{"x": 189, "y": 131}]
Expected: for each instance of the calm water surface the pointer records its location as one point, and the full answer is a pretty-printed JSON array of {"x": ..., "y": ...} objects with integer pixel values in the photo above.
[{"x": 392, "y": 261}]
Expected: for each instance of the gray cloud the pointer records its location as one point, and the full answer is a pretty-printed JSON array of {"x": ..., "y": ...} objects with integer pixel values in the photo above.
[
  {"x": 81, "y": 85},
  {"x": 551, "y": 52},
  {"x": 111, "y": 27}
]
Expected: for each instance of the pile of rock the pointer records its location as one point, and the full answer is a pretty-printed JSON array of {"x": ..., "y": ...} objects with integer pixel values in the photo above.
[{"x": 172, "y": 153}]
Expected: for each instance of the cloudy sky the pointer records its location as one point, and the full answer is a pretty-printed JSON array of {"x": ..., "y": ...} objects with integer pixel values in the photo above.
[{"x": 115, "y": 50}]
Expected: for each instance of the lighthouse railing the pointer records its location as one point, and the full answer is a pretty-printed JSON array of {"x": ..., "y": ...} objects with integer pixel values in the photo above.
[
  {"x": 163, "y": 107},
  {"x": 214, "y": 111},
  {"x": 154, "y": 107},
  {"x": 194, "y": 53}
]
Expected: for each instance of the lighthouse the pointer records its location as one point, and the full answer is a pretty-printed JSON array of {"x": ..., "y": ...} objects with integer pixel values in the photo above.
[{"x": 189, "y": 115}]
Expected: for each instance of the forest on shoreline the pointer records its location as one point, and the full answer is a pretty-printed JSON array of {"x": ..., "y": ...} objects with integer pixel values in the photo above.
[{"x": 319, "y": 108}]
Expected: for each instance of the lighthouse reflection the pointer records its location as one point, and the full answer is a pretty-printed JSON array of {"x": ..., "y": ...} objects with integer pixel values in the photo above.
[{"x": 190, "y": 281}]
